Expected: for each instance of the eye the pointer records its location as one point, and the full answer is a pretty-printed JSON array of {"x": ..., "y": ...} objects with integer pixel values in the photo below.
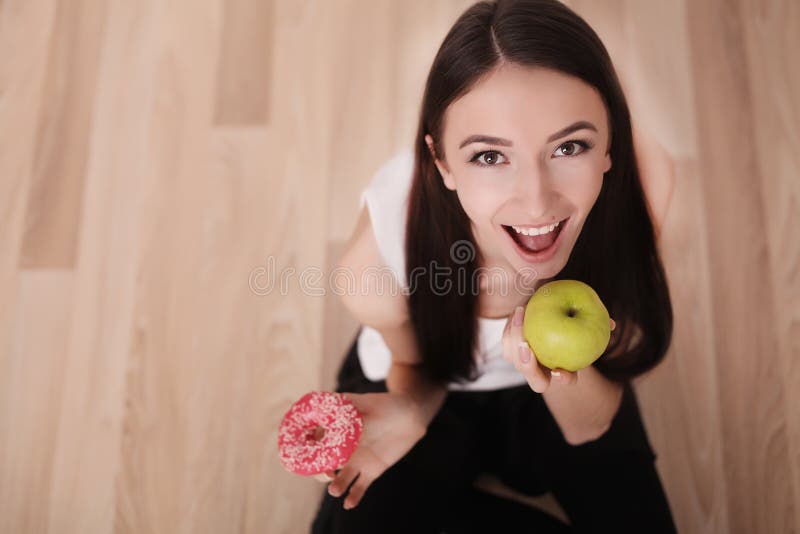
[
  {"x": 492, "y": 155},
  {"x": 584, "y": 144}
]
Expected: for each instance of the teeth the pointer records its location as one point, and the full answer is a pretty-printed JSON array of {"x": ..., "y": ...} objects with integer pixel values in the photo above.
[{"x": 536, "y": 231}]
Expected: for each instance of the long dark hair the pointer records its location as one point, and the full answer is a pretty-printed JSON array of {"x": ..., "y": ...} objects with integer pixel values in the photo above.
[{"x": 616, "y": 251}]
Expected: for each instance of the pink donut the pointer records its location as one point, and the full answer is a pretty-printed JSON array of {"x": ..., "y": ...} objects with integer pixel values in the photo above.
[{"x": 319, "y": 433}]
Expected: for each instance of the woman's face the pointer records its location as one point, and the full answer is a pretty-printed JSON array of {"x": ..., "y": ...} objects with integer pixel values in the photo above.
[{"x": 535, "y": 174}]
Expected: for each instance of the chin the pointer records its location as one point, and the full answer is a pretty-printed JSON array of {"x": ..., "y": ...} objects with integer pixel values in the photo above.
[{"x": 544, "y": 271}]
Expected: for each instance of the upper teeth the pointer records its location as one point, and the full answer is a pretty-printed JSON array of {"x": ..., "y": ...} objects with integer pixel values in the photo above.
[{"x": 536, "y": 231}]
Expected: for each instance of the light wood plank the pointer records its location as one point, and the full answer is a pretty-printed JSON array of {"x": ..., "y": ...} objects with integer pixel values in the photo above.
[
  {"x": 25, "y": 28},
  {"x": 31, "y": 392},
  {"x": 90, "y": 415},
  {"x": 63, "y": 133},
  {"x": 245, "y": 63}
]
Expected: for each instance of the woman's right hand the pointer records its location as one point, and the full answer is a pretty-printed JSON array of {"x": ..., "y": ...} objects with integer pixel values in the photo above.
[{"x": 393, "y": 424}]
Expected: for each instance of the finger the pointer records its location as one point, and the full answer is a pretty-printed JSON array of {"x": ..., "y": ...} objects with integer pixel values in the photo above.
[
  {"x": 513, "y": 334},
  {"x": 355, "y": 398},
  {"x": 509, "y": 320},
  {"x": 613, "y": 324},
  {"x": 562, "y": 376},
  {"x": 361, "y": 401},
  {"x": 343, "y": 479},
  {"x": 516, "y": 321},
  {"x": 507, "y": 342},
  {"x": 357, "y": 492},
  {"x": 529, "y": 366}
]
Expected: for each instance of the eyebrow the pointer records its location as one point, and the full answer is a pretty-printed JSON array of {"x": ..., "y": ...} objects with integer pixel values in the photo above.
[{"x": 580, "y": 125}]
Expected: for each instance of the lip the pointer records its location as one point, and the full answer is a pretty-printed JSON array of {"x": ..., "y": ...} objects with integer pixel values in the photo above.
[
  {"x": 544, "y": 255},
  {"x": 529, "y": 226}
]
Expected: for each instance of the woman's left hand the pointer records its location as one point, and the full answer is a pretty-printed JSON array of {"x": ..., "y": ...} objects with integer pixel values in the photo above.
[{"x": 517, "y": 351}]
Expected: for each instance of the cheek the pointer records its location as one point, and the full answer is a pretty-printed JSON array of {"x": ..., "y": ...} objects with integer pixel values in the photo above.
[
  {"x": 479, "y": 201},
  {"x": 582, "y": 190},
  {"x": 593, "y": 192}
]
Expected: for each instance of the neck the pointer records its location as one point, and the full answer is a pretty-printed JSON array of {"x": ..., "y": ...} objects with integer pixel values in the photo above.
[{"x": 502, "y": 289}]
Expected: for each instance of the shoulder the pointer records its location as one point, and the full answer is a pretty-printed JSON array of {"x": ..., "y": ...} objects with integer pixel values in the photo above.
[
  {"x": 658, "y": 174},
  {"x": 368, "y": 288},
  {"x": 386, "y": 201},
  {"x": 394, "y": 175}
]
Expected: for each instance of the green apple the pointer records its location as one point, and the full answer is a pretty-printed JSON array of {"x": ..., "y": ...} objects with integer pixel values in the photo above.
[{"x": 566, "y": 325}]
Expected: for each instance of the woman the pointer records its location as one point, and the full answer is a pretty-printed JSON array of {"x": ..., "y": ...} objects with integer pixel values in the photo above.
[{"x": 524, "y": 168}]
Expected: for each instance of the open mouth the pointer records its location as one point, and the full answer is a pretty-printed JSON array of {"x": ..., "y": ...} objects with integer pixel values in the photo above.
[{"x": 536, "y": 247}]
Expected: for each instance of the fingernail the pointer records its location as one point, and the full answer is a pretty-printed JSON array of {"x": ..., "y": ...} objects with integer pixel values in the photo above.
[
  {"x": 524, "y": 352},
  {"x": 347, "y": 505},
  {"x": 332, "y": 492},
  {"x": 518, "y": 316},
  {"x": 557, "y": 374}
]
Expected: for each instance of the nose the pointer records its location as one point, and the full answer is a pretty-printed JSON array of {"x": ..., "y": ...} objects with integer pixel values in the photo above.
[{"x": 534, "y": 193}]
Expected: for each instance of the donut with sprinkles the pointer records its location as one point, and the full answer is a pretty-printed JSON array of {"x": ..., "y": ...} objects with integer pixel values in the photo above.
[{"x": 319, "y": 433}]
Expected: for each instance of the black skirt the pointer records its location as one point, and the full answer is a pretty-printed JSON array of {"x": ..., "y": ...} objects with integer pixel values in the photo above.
[{"x": 609, "y": 484}]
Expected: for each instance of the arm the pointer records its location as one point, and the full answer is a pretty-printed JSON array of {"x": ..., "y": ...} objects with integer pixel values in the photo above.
[
  {"x": 387, "y": 312},
  {"x": 409, "y": 379},
  {"x": 582, "y": 403},
  {"x": 657, "y": 172},
  {"x": 405, "y": 375},
  {"x": 585, "y": 408},
  {"x": 397, "y": 419},
  {"x": 592, "y": 390}
]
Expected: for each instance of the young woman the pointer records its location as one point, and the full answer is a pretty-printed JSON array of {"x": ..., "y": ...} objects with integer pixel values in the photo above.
[{"x": 524, "y": 129}]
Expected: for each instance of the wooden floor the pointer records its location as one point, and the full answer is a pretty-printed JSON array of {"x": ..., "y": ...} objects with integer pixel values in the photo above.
[{"x": 156, "y": 157}]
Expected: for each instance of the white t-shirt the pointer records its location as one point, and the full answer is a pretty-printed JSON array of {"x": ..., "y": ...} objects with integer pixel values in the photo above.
[{"x": 386, "y": 197}]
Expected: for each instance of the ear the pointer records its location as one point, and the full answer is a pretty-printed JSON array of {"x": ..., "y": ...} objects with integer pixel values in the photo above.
[
  {"x": 608, "y": 162},
  {"x": 447, "y": 177}
]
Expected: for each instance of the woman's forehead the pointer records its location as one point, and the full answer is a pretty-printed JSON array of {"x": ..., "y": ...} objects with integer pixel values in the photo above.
[{"x": 524, "y": 102}]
